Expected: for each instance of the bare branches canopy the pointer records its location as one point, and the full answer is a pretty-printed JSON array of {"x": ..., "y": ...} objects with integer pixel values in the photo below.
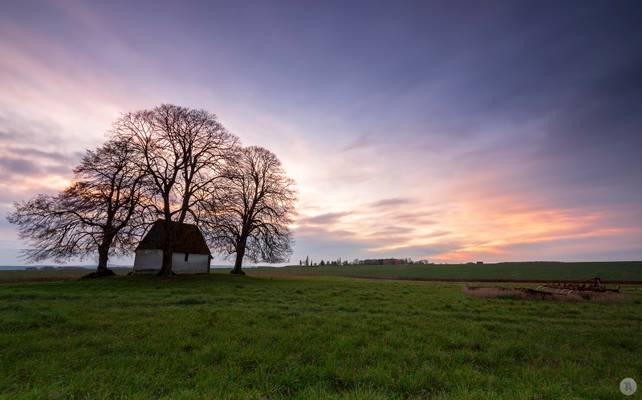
[
  {"x": 183, "y": 153},
  {"x": 253, "y": 209},
  {"x": 99, "y": 212},
  {"x": 176, "y": 164}
]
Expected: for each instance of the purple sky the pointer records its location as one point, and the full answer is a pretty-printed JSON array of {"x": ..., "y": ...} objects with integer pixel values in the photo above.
[{"x": 439, "y": 130}]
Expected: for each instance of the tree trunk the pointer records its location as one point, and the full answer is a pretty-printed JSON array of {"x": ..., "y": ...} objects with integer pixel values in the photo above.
[
  {"x": 166, "y": 266},
  {"x": 103, "y": 256},
  {"x": 237, "y": 265},
  {"x": 240, "y": 253}
]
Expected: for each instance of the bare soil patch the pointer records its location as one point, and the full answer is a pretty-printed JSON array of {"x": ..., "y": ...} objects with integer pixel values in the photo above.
[{"x": 534, "y": 294}]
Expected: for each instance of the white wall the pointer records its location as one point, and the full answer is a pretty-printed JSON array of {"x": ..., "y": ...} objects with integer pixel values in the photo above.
[
  {"x": 195, "y": 264},
  {"x": 151, "y": 260},
  {"x": 148, "y": 260}
]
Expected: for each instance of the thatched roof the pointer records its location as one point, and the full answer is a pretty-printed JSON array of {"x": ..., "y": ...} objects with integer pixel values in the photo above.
[{"x": 187, "y": 238}]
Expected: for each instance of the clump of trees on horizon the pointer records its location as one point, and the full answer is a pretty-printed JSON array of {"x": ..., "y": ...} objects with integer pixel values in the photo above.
[{"x": 170, "y": 163}]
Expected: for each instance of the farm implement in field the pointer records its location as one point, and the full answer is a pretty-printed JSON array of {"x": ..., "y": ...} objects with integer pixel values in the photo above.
[{"x": 594, "y": 285}]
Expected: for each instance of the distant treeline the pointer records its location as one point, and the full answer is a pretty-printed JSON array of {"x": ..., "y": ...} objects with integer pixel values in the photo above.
[{"x": 371, "y": 261}]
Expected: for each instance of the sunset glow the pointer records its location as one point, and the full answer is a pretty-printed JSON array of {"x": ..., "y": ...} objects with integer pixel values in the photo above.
[{"x": 453, "y": 147}]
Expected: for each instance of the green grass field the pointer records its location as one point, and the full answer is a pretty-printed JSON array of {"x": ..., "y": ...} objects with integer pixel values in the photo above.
[
  {"x": 67, "y": 273},
  {"x": 611, "y": 271},
  {"x": 228, "y": 337}
]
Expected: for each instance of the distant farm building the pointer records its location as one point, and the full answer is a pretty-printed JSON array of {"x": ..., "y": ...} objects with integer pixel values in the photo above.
[{"x": 190, "y": 252}]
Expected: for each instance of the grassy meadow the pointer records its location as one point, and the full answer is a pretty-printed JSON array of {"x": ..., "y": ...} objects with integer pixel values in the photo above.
[
  {"x": 50, "y": 274},
  {"x": 516, "y": 271},
  {"x": 261, "y": 337}
]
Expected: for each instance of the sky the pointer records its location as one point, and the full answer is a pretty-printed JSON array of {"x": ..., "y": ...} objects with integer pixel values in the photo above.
[{"x": 448, "y": 131}]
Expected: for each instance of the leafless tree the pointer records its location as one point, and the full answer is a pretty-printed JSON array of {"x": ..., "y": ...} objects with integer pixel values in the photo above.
[
  {"x": 183, "y": 152},
  {"x": 253, "y": 209},
  {"x": 99, "y": 212}
]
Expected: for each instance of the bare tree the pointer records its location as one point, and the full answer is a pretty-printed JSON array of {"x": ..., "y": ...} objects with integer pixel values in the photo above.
[
  {"x": 183, "y": 153},
  {"x": 253, "y": 209},
  {"x": 99, "y": 212}
]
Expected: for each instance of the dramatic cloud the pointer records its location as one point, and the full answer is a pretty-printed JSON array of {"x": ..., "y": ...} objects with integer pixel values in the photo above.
[{"x": 504, "y": 131}]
